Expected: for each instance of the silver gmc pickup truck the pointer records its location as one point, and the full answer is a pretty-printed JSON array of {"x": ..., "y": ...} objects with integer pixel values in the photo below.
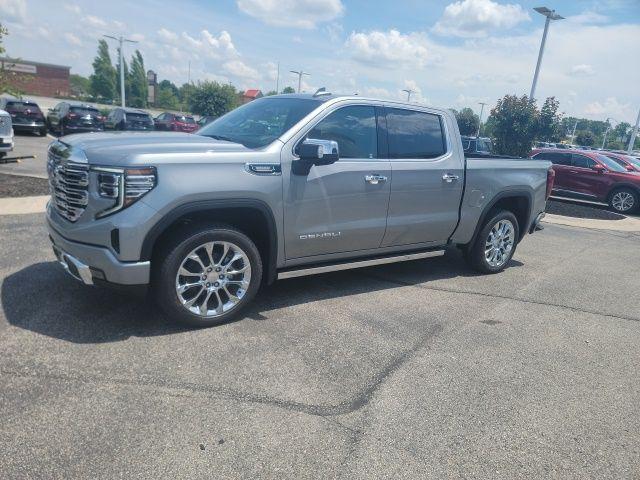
[{"x": 284, "y": 186}]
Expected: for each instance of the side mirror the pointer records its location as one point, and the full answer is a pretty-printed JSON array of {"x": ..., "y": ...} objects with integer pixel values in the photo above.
[
  {"x": 318, "y": 152},
  {"x": 598, "y": 168},
  {"x": 630, "y": 168}
]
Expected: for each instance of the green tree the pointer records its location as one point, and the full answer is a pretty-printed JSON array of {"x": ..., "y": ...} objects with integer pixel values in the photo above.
[
  {"x": 550, "y": 123},
  {"x": 468, "y": 121},
  {"x": 166, "y": 98},
  {"x": 621, "y": 132},
  {"x": 270, "y": 92},
  {"x": 185, "y": 92},
  {"x": 103, "y": 80},
  {"x": 80, "y": 86},
  {"x": 139, "y": 85},
  {"x": 212, "y": 98},
  {"x": 8, "y": 79},
  {"x": 288, "y": 90},
  {"x": 585, "y": 137},
  {"x": 514, "y": 125},
  {"x": 168, "y": 85}
]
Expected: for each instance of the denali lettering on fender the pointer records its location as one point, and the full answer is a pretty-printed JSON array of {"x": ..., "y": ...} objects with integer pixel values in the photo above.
[{"x": 312, "y": 236}]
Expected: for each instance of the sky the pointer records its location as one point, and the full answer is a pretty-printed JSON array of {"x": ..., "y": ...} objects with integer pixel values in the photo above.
[{"x": 451, "y": 53}]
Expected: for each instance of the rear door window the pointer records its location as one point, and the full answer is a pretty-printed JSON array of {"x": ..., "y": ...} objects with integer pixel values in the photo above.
[
  {"x": 414, "y": 134},
  {"x": 556, "y": 158},
  {"x": 581, "y": 161}
]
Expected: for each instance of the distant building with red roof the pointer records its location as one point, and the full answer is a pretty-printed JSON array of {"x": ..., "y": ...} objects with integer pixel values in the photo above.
[{"x": 250, "y": 95}]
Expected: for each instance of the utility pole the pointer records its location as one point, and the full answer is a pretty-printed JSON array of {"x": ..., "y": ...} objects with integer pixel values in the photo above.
[
  {"x": 604, "y": 140},
  {"x": 409, "y": 92},
  {"x": 551, "y": 15},
  {"x": 480, "y": 123},
  {"x": 300, "y": 74},
  {"x": 573, "y": 134},
  {"x": 632, "y": 140},
  {"x": 120, "y": 41},
  {"x": 278, "y": 79}
]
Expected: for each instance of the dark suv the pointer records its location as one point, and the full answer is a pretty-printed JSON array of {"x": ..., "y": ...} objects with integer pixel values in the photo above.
[
  {"x": 26, "y": 116},
  {"x": 477, "y": 146},
  {"x": 73, "y": 117},
  {"x": 128, "y": 119},
  {"x": 591, "y": 176}
]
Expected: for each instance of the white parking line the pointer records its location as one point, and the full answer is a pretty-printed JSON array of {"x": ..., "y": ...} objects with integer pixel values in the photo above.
[{"x": 23, "y": 205}]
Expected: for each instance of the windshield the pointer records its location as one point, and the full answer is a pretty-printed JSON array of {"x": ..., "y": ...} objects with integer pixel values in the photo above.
[
  {"x": 138, "y": 117},
  {"x": 260, "y": 122},
  {"x": 22, "y": 107},
  {"x": 611, "y": 164}
]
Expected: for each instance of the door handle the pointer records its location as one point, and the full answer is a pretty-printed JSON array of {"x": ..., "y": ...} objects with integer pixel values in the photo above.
[
  {"x": 375, "y": 179},
  {"x": 447, "y": 177}
]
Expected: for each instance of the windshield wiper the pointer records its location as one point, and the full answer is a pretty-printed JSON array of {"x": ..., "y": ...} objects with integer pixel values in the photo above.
[{"x": 221, "y": 137}]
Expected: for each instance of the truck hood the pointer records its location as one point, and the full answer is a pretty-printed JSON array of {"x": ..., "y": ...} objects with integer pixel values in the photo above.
[{"x": 127, "y": 148}]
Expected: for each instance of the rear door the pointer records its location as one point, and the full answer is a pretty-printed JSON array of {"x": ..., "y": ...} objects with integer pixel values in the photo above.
[
  {"x": 561, "y": 165},
  {"x": 340, "y": 207},
  {"x": 428, "y": 177}
]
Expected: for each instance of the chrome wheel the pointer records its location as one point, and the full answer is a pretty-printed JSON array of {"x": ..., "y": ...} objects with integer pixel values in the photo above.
[
  {"x": 623, "y": 201},
  {"x": 499, "y": 243},
  {"x": 213, "y": 278}
]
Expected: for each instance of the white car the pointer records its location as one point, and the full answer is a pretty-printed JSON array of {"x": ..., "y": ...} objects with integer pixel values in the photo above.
[{"x": 6, "y": 133}]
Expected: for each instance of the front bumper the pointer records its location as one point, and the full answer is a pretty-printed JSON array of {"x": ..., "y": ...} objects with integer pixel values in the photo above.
[{"x": 90, "y": 263}]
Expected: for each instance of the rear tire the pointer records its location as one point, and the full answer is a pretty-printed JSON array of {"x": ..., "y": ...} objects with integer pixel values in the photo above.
[
  {"x": 495, "y": 244},
  {"x": 624, "y": 200},
  {"x": 199, "y": 284}
]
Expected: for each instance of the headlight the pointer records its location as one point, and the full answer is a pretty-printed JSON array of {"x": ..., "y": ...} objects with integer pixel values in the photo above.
[{"x": 124, "y": 186}]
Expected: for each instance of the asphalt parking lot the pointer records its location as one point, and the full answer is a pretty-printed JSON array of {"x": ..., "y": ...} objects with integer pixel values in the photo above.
[{"x": 414, "y": 370}]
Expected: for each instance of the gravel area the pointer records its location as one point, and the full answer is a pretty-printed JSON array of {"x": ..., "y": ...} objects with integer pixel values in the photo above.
[
  {"x": 18, "y": 186},
  {"x": 577, "y": 210}
]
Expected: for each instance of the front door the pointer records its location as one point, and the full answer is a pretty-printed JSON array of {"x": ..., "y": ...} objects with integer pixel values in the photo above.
[
  {"x": 428, "y": 176},
  {"x": 584, "y": 180},
  {"x": 340, "y": 207}
]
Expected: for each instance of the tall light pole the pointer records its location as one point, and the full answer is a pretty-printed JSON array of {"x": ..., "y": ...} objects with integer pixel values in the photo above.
[
  {"x": 278, "y": 79},
  {"x": 604, "y": 140},
  {"x": 632, "y": 140},
  {"x": 300, "y": 74},
  {"x": 480, "y": 122},
  {"x": 409, "y": 92},
  {"x": 551, "y": 15},
  {"x": 120, "y": 41}
]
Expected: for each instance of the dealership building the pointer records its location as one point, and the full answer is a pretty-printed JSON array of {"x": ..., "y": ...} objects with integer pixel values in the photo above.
[{"x": 35, "y": 78}]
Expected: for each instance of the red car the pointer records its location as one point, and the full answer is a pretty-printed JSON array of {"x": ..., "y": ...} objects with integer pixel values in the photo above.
[
  {"x": 591, "y": 176},
  {"x": 176, "y": 122},
  {"x": 632, "y": 164}
]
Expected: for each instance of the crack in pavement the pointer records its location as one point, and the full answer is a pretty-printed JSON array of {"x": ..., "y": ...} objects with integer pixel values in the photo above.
[
  {"x": 349, "y": 406},
  {"x": 504, "y": 297}
]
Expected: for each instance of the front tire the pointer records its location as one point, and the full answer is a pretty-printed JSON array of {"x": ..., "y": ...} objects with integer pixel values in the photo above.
[
  {"x": 207, "y": 276},
  {"x": 624, "y": 200},
  {"x": 495, "y": 244}
]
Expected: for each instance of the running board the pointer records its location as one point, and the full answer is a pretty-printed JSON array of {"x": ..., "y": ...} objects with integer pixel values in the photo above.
[{"x": 334, "y": 267}]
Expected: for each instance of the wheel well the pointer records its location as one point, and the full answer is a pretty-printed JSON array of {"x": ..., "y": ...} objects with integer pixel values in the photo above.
[
  {"x": 617, "y": 188},
  {"x": 519, "y": 206},
  {"x": 251, "y": 221}
]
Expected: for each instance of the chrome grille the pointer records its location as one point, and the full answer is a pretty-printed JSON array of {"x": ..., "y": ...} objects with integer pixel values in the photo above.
[
  {"x": 5, "y": 126},
  {"x": 69, "y": 185}
]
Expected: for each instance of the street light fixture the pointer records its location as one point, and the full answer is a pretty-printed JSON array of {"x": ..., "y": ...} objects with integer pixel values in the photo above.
[
  {"x": 632, "y": 140},
  {"x": 409, "y": 92},
  {"x": 300, "y": 74},
  {"x": 121, "y": 40},
  {"x": 551, "y": 15}
]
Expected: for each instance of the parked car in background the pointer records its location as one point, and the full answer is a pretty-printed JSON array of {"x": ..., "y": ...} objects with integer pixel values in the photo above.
[
  {"x": 632, "y": 164},
  {"x": 128, "y": 119},
  {"x": 74, "y": 117},
  {"x": 476, "y": 145},
  {"x": 207, "y": 119},
  {"x": 544, "y": 145},
  {"x": 301, "y": 185},
  {"x": 26, "y": 115},
  {"x": 6, "y": 133},
  {"x": 176, "y": 122},
  {"x": 592, "y": 176}
]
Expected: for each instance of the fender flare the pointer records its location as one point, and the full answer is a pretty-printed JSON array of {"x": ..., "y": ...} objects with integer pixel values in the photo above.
[{"x": 176, "y": 213}]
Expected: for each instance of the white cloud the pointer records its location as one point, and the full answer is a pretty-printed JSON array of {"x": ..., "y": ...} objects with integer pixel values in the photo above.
[
  {"x": 94, "y": 21},
  {"x": 73, "y": 8},
  {"x": 239, "y": 69},
  {"x": 137, "y": 37},
  {"x": 478, "y": 18},
  {"x": 392, "y": 47},
  {"x": 119, "y": 25},
  {"x": 72, "y": 39},
  {"x": 167, "y": 35},
  {"x": 292, "y": 13},
  {"x": 610, "y": 107},
  {"x": 588, "y": 18},
  {"x": 13, "y": 9},
  {"x": 582, "y": 70}
]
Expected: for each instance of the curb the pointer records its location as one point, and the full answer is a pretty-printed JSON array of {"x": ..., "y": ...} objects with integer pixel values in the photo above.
[
  {"x": 626, "y": 225},
  {"x": 23, "y": 205}
]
